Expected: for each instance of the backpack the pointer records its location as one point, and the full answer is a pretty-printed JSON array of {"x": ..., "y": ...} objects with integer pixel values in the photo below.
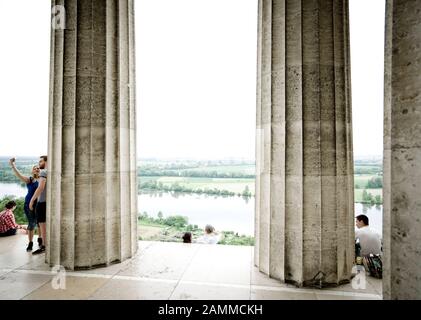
[{"x": 373, "y": 264}]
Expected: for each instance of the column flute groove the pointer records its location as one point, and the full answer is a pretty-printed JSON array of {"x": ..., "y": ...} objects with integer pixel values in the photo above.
[
  {"x": 402, "y": 151},
  {"x": 91, "y": 203},
  {"x": 308, "y": 182}
]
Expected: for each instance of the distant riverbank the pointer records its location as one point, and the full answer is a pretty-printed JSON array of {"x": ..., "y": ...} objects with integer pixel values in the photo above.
[{"x": 225, "y": 213}]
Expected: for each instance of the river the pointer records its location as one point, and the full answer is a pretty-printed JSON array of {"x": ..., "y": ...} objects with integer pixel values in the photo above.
[{"x": 224, "y": 213}]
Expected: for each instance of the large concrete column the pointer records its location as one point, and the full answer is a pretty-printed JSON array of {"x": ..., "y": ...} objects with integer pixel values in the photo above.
[
  {"x": 402, "y": 151},
  {"x": 304, "y": 187},
  {"x": 92, "y": 189}
]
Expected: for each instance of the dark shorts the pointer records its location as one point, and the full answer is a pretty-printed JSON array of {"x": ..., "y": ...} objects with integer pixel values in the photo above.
[
  {"x": 41, "y": 212},
  {"x": 10, "y": 232},
  {"x": 31, "y": 216}
]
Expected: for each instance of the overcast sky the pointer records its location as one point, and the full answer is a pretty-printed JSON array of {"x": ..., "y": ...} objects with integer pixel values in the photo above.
[{"x": 195, "y": 77}]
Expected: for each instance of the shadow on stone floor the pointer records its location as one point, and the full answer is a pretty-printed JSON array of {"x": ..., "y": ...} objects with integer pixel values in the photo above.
[{"x": 161, "y": 271}]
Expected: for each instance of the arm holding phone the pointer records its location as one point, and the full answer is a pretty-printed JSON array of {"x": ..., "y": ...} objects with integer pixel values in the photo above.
[{"x": 17, "y": 173}]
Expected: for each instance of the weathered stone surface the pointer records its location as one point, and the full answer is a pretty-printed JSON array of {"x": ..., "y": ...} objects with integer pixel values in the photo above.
[
  {"x": 92, "y": 189},
  {"x": 402, "y": 151},
  {"x": 304, "y": 184}
]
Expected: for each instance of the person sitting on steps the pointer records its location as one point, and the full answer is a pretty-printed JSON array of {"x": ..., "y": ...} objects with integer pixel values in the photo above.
[
  {"x": 210, "y": 236},
  {"x": 8, "y": 225},
  {"x": 187, "y": 237},
  {"x": 369, "y": 239}
]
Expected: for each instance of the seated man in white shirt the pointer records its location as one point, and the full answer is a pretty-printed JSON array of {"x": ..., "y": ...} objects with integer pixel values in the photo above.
[
  {"x": 369, "y": 239},
  {"x": 210, "y": 236}
]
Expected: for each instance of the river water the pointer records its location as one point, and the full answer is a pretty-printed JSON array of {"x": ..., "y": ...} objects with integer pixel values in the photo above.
[{"x": 224, "y": 213}]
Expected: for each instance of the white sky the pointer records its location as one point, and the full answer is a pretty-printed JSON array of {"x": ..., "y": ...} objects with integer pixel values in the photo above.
[
  {"x": 367, "y": 18},
  {"x": 195, "y": 77}
]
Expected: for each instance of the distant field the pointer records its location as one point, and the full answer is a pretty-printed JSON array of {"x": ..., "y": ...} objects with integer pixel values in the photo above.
[
  {"x": 362, "y": 179},
  {"x": 233, "y": 185},
  {"x": 367, "y": 169},
  {"x": 149, "y": 232},
  {"x": 246, "y": 169}
]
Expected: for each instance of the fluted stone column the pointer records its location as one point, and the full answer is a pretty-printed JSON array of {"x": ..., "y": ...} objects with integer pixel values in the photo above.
[
  {"x": 92, "y": 189},
  {"x": 304, "y": 187},
  {"x": 402, "y": 151}
]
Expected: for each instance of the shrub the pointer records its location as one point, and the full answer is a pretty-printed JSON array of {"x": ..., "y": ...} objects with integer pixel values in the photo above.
[
  {"x": 375, "y": 183},
  {"x": 176, "y": 221}
]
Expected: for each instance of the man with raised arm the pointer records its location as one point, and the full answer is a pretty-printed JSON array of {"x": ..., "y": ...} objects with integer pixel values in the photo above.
[{"x": 40, "y": 198}]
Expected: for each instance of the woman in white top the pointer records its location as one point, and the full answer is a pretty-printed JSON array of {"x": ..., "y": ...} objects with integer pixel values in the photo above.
[{"x": 210, "y": 236}]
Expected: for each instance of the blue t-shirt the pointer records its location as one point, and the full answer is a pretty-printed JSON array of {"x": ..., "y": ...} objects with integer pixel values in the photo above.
[{"x": 32, "y": 187}]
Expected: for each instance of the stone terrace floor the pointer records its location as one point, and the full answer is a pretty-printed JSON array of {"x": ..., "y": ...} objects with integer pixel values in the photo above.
[{"x": 160, "y": 271}]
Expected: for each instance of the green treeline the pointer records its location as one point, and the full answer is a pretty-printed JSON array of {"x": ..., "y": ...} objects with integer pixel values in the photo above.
[
  {"x": 360, "y": 169},
  {"x": 368, "y": 198},
  {"x": 176, "y": 187},
  {"x": 193, "y": 174},
  {"x": 171, "y": 221},
  {"x": 373, "y": 183}
]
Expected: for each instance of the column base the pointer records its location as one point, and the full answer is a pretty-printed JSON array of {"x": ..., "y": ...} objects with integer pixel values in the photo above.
[{"x": 97, "y": 266}]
